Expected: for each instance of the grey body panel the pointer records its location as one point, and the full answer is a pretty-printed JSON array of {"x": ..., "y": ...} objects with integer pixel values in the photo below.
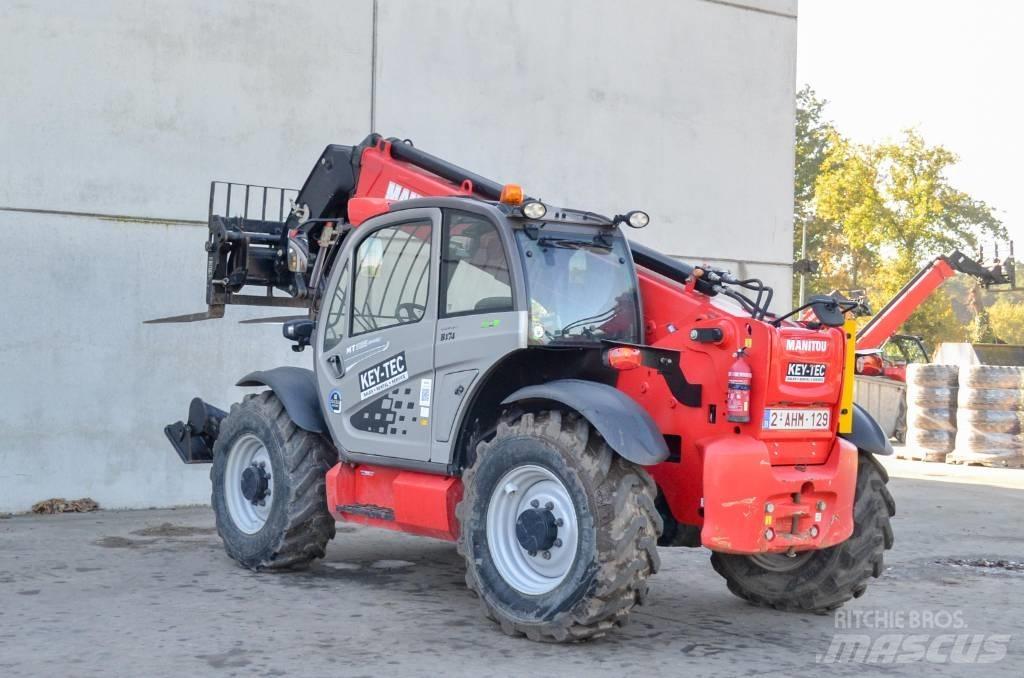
[
  {"x": 478, "y": 342},
  {"x": 387, "y": 422},
  {"x": 296, "y": 387},
  {"x": 626, "y": 426},
  {"x": 867, "y": 435}
]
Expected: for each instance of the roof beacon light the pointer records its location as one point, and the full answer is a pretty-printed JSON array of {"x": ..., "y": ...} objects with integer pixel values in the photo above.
[
  {"x": 512, "y": 194},
  {"x": 534, "y": 210},
  {"x": 638, "y": 219}
]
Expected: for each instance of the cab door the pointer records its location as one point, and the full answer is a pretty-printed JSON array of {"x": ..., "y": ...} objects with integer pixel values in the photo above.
[{"x": 375, "y": 356}]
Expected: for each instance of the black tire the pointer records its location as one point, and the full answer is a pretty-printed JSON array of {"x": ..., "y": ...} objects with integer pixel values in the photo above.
[
  {"x": 823, "y": 580},
  {"x": 993, "y": 376},
  {"x": 989, "y": 421},
  {"x": 931, "y": 419},
  {"x": 298, "y": 525},
  {"x": 932, "y": 396},
  {"x": 932, "y": 440},
  {"x": 618, "y": 528},
  {"x": 932, "y": 376},
  {"x": 991, "y": 398}
]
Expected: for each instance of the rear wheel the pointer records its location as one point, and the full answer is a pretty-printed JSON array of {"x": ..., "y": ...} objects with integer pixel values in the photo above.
[
  {"x": 558, "y": 532},
  {"x": 269, "y": 495},
  {"x": 819, "y": 581}
]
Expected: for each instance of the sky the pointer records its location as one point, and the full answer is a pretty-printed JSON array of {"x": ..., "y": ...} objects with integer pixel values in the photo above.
[{"x": 953, "y": 70}]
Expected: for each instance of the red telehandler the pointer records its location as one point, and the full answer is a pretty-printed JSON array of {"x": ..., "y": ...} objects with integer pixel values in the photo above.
[
  {"x": 519, "y": 378},
  {"x": 881, "y": 329}
]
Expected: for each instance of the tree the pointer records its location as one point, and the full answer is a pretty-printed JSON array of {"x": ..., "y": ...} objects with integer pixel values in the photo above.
[
  {"x": 1006, "y": 317},
  {"x": 878, "y": 212}
]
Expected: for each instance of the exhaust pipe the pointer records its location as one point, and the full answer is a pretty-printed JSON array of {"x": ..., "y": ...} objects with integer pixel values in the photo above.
[{"x": 193, "y": 441}]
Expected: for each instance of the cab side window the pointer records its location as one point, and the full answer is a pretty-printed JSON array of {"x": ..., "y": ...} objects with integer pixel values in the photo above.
[
  {"x": 474, "y": 267},
  {"x": 335, "y": 330},
  {"x": 392, "y": 277}
]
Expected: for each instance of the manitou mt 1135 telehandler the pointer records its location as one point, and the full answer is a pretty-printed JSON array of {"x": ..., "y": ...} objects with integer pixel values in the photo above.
[{"x": 520, "y": 379}]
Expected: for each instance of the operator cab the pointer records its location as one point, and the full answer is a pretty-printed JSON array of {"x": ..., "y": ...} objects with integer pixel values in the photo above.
[{"x": 428, "y": 301}]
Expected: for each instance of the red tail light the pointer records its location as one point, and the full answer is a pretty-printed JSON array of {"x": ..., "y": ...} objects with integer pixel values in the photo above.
[{"x": 623, "y": 358}]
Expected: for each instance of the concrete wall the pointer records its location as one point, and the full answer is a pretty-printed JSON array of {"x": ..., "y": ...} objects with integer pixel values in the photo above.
[{"x": 118, "y": 114}]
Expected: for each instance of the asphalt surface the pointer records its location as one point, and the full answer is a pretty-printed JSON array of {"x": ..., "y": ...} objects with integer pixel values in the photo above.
[{"x": 151, "y": 593}]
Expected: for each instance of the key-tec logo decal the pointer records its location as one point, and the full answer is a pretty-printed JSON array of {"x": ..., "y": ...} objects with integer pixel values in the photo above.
[
  {"x": 382, "y": 376},
  {"x": 807, "y": 345},
  {"x": 806, "y": 373}
]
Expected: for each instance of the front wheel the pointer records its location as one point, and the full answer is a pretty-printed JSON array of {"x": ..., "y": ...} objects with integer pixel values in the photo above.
[
  {"x": 819, "y": 581},
  {"x": 558, "y": 532},
  {"x": 268, "y": 480}
]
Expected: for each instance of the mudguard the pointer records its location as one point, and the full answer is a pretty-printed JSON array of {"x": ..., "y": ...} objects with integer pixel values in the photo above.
[
  {"x": 628, "y": 428},
  {"x": 296, "y": 387},
  {"x": 867, "y": 435}
]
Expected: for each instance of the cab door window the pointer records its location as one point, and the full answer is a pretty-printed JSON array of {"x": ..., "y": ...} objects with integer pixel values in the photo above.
[
  {"x": 334, "y": 331},
  {"x": 474, "y": 267},
  {"x": 392, "y": 277}
]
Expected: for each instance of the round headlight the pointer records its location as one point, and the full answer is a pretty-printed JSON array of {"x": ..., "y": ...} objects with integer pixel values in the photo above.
[
  {"x": 638, "y": 219},
  {"x": 534, "y": 210}
]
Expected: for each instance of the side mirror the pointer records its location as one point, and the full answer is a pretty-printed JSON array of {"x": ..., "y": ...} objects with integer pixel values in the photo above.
[
  {"x": 827, "y": 310},
  {"x": 300, "y": 331}
]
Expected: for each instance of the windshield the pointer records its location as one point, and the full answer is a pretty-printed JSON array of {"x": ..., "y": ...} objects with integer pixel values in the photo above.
[{"x": 582, "y": 287}]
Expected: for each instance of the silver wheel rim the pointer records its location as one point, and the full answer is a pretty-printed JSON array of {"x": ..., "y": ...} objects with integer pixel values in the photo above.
[
  {"x": 245, "y": 452},
  {"x": 515, "y": 493},
  {"x": 781, "y": 562}
]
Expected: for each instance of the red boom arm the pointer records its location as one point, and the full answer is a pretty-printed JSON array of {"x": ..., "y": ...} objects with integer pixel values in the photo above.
[{"x": 902, "y": 306}]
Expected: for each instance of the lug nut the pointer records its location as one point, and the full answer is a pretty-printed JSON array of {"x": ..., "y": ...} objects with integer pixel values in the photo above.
[
  {"x": 547, "y": 555},
  {"x": 769, "y": 534},
  {"x": 821, "y": 505},
  {"x": 534, "y": 503},
  {"x": 549, "y": 506},
  {"x": 769, "y": 508},
  {"x": 814, "y": 530},
  {"x": 558, "y": 542},
  {"x": 559, "y": 522},
  {"x": 533, "y": 554}
]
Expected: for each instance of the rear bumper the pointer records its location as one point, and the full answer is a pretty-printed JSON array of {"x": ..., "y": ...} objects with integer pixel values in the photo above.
[{"x": 753, "y": 507}]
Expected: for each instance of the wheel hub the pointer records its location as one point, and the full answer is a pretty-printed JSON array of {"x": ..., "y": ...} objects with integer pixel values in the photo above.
[
  {"x": 536, "y": 529},
  {"x": 532, "y": 529},
  {"x": 255, "y": 483}
]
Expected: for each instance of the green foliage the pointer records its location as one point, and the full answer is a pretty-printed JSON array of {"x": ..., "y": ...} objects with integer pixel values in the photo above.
[
  {"x": 875, "y": 213},
  {"x": 1006, "y": 317}
]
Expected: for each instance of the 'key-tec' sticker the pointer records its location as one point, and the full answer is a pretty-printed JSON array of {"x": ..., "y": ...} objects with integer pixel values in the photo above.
[{"x": 382, "y": 376}]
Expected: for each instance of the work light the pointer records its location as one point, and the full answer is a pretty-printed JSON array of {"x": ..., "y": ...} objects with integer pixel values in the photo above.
[
  {"x": 534, "y": 210},
  {"x": 638, "y": 219}
]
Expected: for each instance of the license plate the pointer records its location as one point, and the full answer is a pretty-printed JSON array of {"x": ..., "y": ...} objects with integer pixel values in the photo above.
[{"x": 793, "y": 419}]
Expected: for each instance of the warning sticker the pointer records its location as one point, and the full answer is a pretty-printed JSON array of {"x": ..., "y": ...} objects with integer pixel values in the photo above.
[
  {"x": 426, "y": 385},
  {"x": 382, "y": 376}
]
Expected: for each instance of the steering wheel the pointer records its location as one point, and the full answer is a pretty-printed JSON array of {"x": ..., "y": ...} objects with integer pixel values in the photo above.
[{"x": 413, "y": 312}]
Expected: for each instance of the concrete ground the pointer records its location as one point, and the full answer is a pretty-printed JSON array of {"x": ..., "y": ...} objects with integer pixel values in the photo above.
[{"x": 151, "y": 593}]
